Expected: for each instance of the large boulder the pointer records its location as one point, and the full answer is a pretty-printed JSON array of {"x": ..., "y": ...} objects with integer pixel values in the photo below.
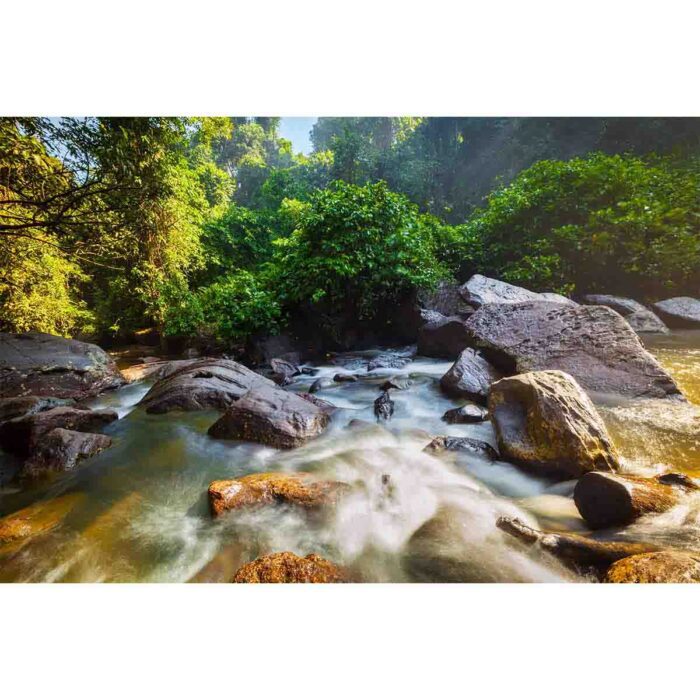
[
  {"x": 479, "y": 290},
  {"x": 606, "y": 500},
  {"x": 446, "y": 300},
  {"x": 593, "y": 344},
  {"x": 271, "y": 416},
  {"x": 40, "y": 364},
  {"x": 641, "y": 319},
  {"x": 254, "y": 490},
  {"x": 156, "y": 370},
  {"x": 546, "y": 423},
  {"x": 442, "y": 336},
  {"x": 679, "y": 312},
  {"x": 286, "y": 567},
  {"x": 656, "y": 567},
  {"x": 23, "y": 435},
  {"x": 202, "y": 385},
  {"x": 470, "y": 377},
  {"x": 60, "y": 450}
]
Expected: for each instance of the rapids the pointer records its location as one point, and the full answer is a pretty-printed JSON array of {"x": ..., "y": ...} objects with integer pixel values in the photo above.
[{"x": 140, "y": 511}]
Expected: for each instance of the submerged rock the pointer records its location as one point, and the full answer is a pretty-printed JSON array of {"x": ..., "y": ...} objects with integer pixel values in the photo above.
[
  {"x": 298, "y": 488},
  {"x": 593, "y": 344},
  {"x": 442, "y": 336},
  {"x": 37, "y": 518},
  {"x": 545, "y": 423},
  {"x": 641, "y": 319},
  {"x": 40, "y": 364},
  {"x": 60, "y": 450},
  {"x": 201, "y": 385},
  {"x": 582, "y": 554},
  {"x": 445, "y": 443},
  {"x": 466, "y": 414},
  {"x": 656, "y": 567},
  {"x": 271, "y": 416},
  {"x": 470, "y": 377},
  {"x": 22, "y": 435},
  {"x": 679, "y": 312},
  {"x": 384, "y": 406},
  {"x": 605, "y": 500},
  {"x": 286, "y": 567}
]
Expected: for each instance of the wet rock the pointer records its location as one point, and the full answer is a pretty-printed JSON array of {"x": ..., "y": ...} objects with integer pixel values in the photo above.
[
  {"x": 320, "y": 384},
  {"x": 593, "y": 344},
  {"x": 325, "y": 406},
  {"x": 545, "y": 423},
  {"x": 254, "y": 490},
  {"x": 37, "y": 518},
  {"x": 442, "y": 336},
  {"x": 340, "y": 378},
  {"x": 582, "y": 554},
  {"x": 359, "y": 424},
  {"x": 479, "y": 290},
  {"x": 466, "y": 414},
  {"x": 283, "y": 371},
  {"x": 21, "y": 436},
  {"x": 388, "y": 361},
  {"x": 462, "y": 444},
  {"x": 18, "y": 406},
  {"x": 286, "y": 567},
  {"x": 39, "y": 364},
  {"x": 156, "y": 370},
  {"x": 679, "y": 312},
  {"x": 656, "y": 567},
  {"x": 383, "y": 407},
  {"x": 60, "y": 450},
  {"x": 606, "y": 500},
  {"x": 271, "y": 416},
  {"x": 202, "y": 385},
  {"x": 637, "y": 315},
  {"x": 446, "y": 300},
  {"x": 400, "y": 383},
  {"x": 470, "y": 377}
]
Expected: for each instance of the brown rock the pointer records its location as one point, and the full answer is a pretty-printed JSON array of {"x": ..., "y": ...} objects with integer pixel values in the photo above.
[
  {"x": 444, "y": 443},
  {"x": 545, "y": 423},
  {"x": 593, "y": 344},
  {"x": 37, "y": 518},
  {"x": 466, "y": 414},
  {"x": 656, "y": 567},
  {"x": 605, "y": 500},
  {"x": 286, "y": 567},
  {"x": 470, "y": 377},
  {"x": 156, "y": 370},
  {"x": 299, "y": 489},
  {"x": 325, "y": 406},
  {"x": 271, "y": 416},
  {"x": 18, "y": 406}
]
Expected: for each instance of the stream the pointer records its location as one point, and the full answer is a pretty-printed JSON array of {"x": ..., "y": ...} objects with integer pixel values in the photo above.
[{"x": 138, "y": 511}]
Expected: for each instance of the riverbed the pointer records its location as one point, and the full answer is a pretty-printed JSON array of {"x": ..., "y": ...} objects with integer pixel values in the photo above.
[{"x": 138, "y": 511}]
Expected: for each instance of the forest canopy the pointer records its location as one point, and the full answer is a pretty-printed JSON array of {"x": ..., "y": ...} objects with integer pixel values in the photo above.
[{"x": 214, "y": 227}]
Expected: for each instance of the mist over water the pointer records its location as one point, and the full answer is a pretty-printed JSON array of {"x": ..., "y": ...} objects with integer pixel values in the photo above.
[{"x": 139, "y": 510}]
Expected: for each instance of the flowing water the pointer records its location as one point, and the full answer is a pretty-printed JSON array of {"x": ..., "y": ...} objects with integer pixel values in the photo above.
[{"x": 138, "y": 511}]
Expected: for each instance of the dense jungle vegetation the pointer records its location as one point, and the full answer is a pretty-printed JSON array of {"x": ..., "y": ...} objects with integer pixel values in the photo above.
[{"x": 213, "y": 227}]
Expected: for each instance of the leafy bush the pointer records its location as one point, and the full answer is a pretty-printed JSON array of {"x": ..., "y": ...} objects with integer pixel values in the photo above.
[
  {"x": 356, "y": 250},
  {"x": 601, "y": 223}
]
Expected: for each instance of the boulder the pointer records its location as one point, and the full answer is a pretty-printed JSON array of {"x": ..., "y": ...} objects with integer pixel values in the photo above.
[
  {"x": 325, "y": 406},
  {"x": 466, "y": 414},
  {"x": 545, "y": 423},
  {"x": 298, "y": 489},
  {"x": 283, "y": 370},
  {"x": 156, "y": 370},
  {"x": 593, "y": 344},
  {"x": 38, "y": 518},
  {"x": 206, "y": 384},
  {"x": 21, "y": 436},
  {"x": 606, "y": 500},
  {"x": 39, "y": 364},
  {"x": 286, "y": 567},
  {"x": 445, "y": 443},
  {"x": 641, "y": 319},
  {"x": 582, "y": 554},
  {"x": 60, "y": 450},
  {"x": 479, "y": 290},
  {"x": 679, "y": 312},
  {"x": 445, "y": 299},
  {"x": 442, "y": 336},
  {"x": 656, "y": 567},
  {"x": 271, "y": 416},
  {"x": 18, "y": 406},
  {"x": 470, "y": 377}
]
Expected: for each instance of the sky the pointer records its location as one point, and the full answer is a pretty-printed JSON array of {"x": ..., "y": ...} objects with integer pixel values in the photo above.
[{"x": 297, "y": 129}]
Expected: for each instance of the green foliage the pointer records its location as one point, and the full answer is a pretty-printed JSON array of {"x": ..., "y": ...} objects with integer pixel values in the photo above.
[
  {"x": 602, "y": 223},
  {"x": 356, "y": 249}
]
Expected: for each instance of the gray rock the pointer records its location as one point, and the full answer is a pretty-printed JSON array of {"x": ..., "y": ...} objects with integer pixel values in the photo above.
[
  {"x": 325, "y": 406},
  {"x": 470, "y": 377},
  {"x": 444, "y": 336},
  {"x": 202, "y": 385},
  {"x": 39, "y": 364},
  {"x": 679, "y": 312},
  {"x": 593, "y": 344},
  {"x": 479, "y": 290},
  {"x": 283, "y": 370},
  {"x": 462, "y": 444},
  {"x": 348, "y": 378},
  {"x": 558, "y": 298},
  {"x": 446, "y": 300},
  {"x": 466, "y": 414},
  {"x": 641, "y": 319},
  {"x": 320, "y": 384},
  {"x": 271, "y": 416}
]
